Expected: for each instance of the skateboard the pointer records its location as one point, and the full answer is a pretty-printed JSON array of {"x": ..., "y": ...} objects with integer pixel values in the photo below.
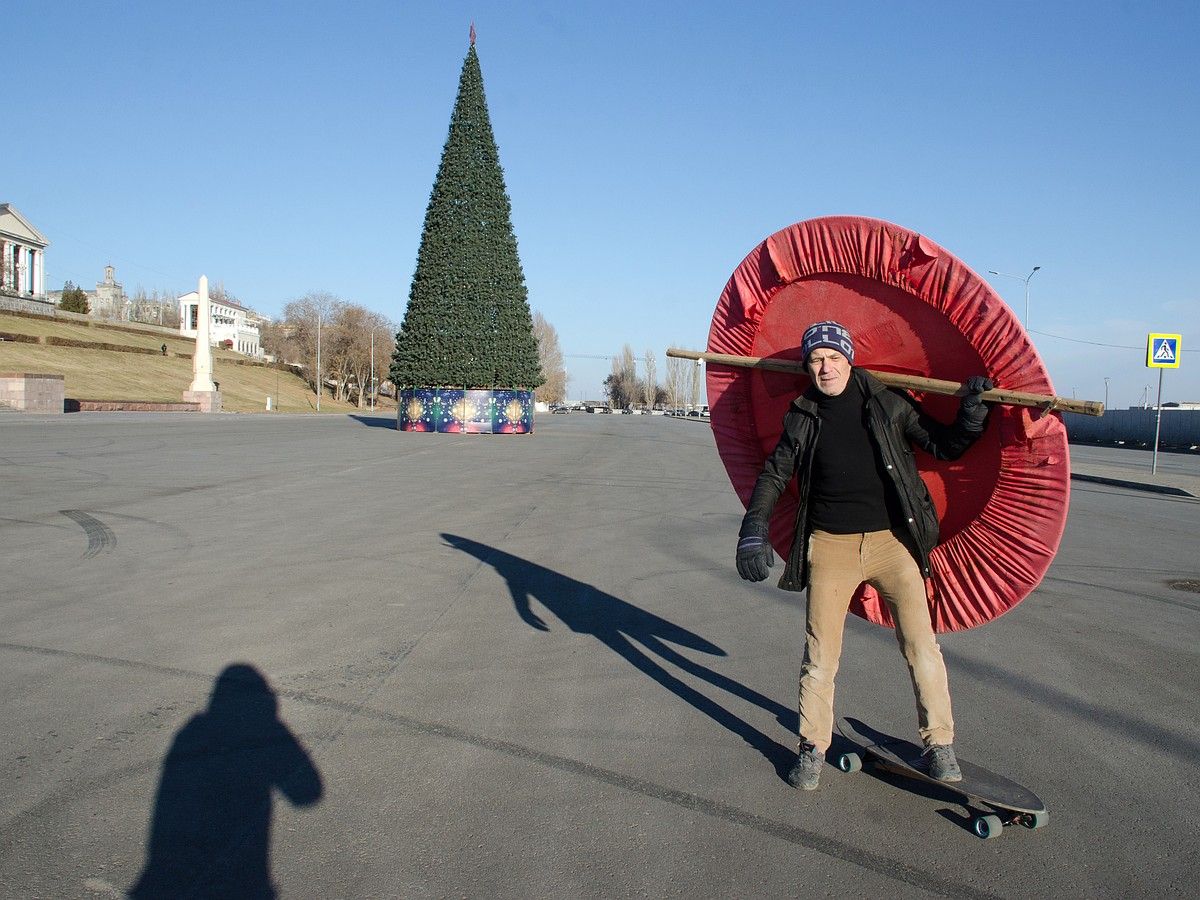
[{"x": 1011, "y": 803}]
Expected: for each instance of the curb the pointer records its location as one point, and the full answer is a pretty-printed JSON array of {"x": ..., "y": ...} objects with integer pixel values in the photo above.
[{"x": 1133, "y": 485}]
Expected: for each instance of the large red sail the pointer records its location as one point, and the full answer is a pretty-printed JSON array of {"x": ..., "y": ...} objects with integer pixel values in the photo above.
[{"x": 913, "y": 308}]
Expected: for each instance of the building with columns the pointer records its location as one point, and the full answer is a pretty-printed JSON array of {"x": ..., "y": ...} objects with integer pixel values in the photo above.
[
  {"x": 22, "y": 255},
  {"x": 229, "y": 321}
]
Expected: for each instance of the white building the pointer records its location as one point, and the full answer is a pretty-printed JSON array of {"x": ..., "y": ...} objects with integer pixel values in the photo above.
[
  {"x": 107, "y": 301},
  {"x": 230, "y": 322},
  {"x": 22, "y": 255}
]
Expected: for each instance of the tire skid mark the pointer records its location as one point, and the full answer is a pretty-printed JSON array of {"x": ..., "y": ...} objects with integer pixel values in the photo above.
[{"x": 100, "y": 536}]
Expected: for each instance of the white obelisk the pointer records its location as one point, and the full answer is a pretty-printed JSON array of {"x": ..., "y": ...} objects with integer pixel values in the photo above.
[
  {"x": 202, "y": 361},
  {"x": 203, "y": 390}
]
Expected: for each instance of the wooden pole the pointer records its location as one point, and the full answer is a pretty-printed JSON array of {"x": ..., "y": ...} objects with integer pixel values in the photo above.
[{"x": 909, "y": 382}]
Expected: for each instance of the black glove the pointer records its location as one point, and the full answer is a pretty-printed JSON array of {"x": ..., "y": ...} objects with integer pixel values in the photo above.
[
  {"x": 972, "y": 402},
  {"x": 754, "y": 553}
]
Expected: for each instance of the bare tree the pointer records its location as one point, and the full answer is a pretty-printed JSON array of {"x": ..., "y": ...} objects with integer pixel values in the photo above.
[
  {"x": 381, "y": 339},
  {"x": 278, "y": 340},
  {"x": 159, "y": 308},
  {"x": 219, "y": 294},
  {"x": 351, "y": 358},
  {"x": 338, "y": 350},
  {"x": 622, "y": 386},
  {"x": 307, "y": 319},
  {"x": 676, "y": 380},
  {"x": 347, "y": 331},
  {"x": 695, "y": 391},
  {"x": 167, "y": 303},
  {"x": 550, "y": 357},
  {"x": 651, "y": 380},
  {"x": 628, "y": 368}
]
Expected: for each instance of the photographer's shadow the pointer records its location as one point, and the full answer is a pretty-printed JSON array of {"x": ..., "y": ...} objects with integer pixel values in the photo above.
[
  {"x": 210, "y": 835},
  {"x": 622, "y": 627}
]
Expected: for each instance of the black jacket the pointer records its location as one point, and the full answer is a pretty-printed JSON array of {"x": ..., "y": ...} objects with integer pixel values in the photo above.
[{"x": 896, "y": 424}]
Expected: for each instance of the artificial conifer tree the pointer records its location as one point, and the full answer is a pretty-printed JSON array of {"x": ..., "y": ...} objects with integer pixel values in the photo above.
[{"x": 468, "y": 323}]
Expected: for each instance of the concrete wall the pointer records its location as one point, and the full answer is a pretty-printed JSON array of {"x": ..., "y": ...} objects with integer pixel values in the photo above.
[
  {"x": 32, "y": 393},
  {"x": 1180, "y": 427},
  {"x": 13, "y": 303}
]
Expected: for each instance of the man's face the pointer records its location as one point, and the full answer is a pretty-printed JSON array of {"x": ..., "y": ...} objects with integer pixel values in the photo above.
[{"x": 829, "y": 369}]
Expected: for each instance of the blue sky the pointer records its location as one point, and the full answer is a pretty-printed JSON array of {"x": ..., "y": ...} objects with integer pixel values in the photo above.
[{"x": 286, "y": 147}]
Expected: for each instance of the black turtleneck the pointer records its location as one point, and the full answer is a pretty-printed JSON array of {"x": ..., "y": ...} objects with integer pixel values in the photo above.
[{"x": 850, "y": 491}]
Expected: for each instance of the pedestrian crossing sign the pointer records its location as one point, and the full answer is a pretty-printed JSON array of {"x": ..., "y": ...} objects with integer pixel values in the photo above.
[{"x": 1162, "y": 351}]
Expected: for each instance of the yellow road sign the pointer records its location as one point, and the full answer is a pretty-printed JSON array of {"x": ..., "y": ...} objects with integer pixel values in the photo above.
[{"x": 1162, "y": 351}]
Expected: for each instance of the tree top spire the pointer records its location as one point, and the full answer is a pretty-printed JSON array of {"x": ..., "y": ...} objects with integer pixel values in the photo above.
[{"x": 472, "y": 33}]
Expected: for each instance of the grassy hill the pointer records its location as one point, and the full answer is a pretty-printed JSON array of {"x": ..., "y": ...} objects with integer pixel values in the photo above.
[{"x": 118, "y": 361}]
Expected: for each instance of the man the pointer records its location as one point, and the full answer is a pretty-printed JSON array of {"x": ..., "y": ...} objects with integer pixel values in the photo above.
[{"x": 865, "y": 515}]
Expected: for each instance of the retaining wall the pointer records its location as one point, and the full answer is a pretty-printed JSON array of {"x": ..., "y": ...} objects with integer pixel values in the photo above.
[
  {"x": 32, "y": 393},
  {"x": 73, "y": 405}
]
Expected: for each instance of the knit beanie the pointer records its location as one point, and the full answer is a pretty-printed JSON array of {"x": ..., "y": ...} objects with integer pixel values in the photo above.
[{"x": 830, "y": 335}]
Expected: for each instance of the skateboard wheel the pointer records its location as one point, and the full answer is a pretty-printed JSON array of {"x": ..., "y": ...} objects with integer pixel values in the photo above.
[
  {"x": 850, "y": 762},
  {"x": 1036, "y": 820},
  {"x": 988, "y": 827}
]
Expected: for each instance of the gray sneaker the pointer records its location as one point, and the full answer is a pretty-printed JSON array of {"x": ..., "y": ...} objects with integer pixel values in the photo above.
[
  {"x": 807, "y": 771},
  {"x": 942, "y": 764}
]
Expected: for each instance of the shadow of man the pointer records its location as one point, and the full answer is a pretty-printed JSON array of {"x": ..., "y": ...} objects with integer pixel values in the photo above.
[
  {"x": 210, "y": 835},
  {"x": 626, "y": 630}
]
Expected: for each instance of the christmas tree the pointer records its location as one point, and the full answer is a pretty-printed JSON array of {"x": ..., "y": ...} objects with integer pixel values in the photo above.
[{"x": 468, "y": 323}]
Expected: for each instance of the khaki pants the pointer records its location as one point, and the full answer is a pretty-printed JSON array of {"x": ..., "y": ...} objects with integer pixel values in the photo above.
[{"x": 838, "y": 564}]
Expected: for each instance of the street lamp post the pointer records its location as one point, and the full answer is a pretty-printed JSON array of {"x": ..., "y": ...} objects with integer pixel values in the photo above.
[
  {"x": 1019, "y": 278},
  {"x": 319, "y": 317}
]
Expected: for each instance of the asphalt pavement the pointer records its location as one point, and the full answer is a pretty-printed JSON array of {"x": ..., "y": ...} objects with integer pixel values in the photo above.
[
  {"x": 315, "y": 655},
  {"x": 1169, "y": 473}
]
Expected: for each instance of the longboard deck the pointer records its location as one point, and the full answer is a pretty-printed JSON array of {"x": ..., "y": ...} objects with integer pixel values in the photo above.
[{"x": 904, "y": 758}]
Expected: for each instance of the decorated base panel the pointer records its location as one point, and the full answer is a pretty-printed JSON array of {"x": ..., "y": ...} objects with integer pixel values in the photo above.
[
  {"x": 912, "y": 308},
  {"x": 465, "y": 412}
]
